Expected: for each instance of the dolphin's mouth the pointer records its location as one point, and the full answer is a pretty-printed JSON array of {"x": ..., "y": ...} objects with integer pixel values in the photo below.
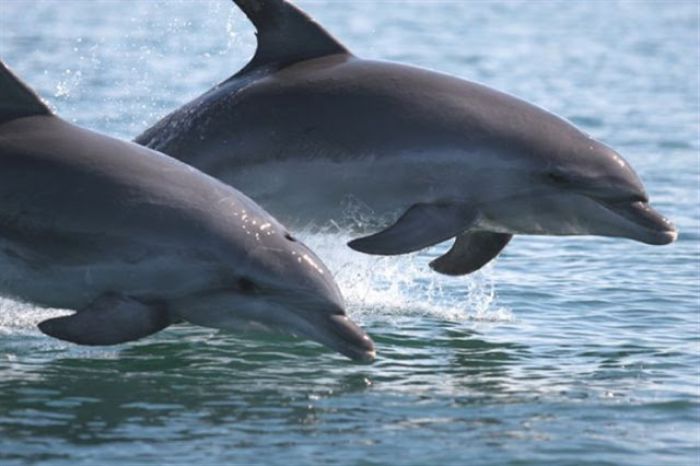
[
  {"x": 650, "y": 226},
  {"x": 340, "y": 333}
]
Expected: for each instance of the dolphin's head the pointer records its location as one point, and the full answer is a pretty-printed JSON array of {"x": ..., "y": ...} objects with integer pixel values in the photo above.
[
  {"x": 270, "y": 281},
  {"x": 578, "y": 186}
]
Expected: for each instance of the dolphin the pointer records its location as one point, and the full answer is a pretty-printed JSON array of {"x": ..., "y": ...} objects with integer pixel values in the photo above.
[
  {"x": 306, "y": 126},
  {"x": 134, "y": 240}
]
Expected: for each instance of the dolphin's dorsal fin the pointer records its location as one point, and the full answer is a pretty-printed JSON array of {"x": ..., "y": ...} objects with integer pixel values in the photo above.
[
  {"x": 286, "y": 34},
  {"x": 17, "y": 100}
]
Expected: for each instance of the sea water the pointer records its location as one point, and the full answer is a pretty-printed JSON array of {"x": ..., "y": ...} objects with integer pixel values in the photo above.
[{"x": 564, "y": 351}]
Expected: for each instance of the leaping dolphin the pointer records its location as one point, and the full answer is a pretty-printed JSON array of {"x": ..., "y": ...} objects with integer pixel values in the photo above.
[
  {"x": 134, "y": 240},
  {"x": 307, "y": 125}
]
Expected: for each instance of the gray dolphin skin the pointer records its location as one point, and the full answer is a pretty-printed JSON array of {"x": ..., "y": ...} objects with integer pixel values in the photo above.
[
  {"x": 134, "y": 241},
  {"x": 307, "y": 128}
]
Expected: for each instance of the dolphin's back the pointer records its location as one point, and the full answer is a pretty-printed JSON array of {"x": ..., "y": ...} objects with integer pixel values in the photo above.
[
  {"x": 64, "y": 189},
  {"x": 59, "y": 181},
  {"x": 343, "y": 108}
]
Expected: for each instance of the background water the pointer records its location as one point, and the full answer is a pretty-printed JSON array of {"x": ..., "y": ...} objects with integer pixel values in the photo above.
[{"x": 567, "y": 351}]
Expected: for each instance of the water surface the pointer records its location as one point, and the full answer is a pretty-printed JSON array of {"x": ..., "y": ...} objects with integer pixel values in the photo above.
[{"x": 566, "y": 351}]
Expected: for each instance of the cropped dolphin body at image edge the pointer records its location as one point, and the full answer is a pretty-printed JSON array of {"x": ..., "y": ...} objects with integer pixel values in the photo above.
[
  {"x": 306, "y": 126},
  {"x": 134, "y": 241}
]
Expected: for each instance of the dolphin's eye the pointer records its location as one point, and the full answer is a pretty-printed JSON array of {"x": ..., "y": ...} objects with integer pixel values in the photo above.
[
  {"x": 246, "y": 286},
  {"x": 289, "y": 237}
]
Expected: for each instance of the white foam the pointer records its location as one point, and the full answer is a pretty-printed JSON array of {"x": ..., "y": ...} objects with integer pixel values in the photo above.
[
  {"x": 405, "y": 285},
  {"x": 18, "y": 317}
]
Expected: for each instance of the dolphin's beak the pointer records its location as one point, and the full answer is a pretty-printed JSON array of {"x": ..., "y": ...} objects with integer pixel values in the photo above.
[
  {"x": 650, "y": 227},
  {"x": 338, "y": 332},
  {"x": 346, "y": 337}
]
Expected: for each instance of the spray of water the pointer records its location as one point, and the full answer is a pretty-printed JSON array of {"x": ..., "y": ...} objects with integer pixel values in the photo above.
[
  {"x": 18, "y": 317},
  {"x": 376, "y": 286}
]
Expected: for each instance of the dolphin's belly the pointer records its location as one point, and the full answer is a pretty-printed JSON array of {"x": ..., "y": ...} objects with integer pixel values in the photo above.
[
  {"x": 361, "y": 194},
  {"x": 30, "y": 277}
]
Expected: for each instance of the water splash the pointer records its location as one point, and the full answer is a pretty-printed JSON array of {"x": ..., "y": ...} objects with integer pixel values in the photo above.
[
  {"x": 71, "y": 81},
  {"x": 376, "y": 286},
  {"x": 19, "y": 318},
  {"x": 392, "y": 286}
]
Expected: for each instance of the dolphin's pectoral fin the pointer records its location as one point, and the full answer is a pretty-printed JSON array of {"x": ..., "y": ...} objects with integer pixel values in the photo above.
[
  {"x": 421, "y": 226},
  {"x": 286, "y": 34},
  {"x": 109, "y": 320},
  {"x": 470, "y": 252}
]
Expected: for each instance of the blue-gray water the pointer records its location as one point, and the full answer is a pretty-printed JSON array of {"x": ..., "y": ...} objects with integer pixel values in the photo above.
[{"x": 567, "y": 351}]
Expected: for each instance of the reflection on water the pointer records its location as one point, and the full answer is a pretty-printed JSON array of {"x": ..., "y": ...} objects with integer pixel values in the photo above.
[
  {"x": 191, "y": 382},
  {"x": 193, "y": 390}
]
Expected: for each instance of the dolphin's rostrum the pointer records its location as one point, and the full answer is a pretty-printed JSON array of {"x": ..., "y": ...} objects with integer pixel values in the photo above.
[
  {"x": 306, "y": 125},
  {"x": 134, "y": 240}
]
